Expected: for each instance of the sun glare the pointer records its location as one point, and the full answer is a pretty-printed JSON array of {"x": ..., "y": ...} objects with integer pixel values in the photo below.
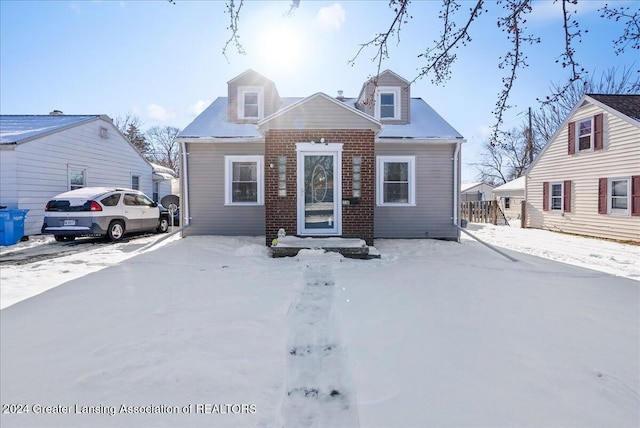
[{"x": 282, "y": 48}]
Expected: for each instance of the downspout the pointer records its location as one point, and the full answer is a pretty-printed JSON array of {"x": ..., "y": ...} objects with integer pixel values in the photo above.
[
  {"x": 456, "y": 154},
  {"x": 185, "y": 184}
]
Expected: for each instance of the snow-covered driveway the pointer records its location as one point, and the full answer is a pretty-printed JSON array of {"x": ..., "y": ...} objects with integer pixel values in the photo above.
[{"x": 210, "y": 331}]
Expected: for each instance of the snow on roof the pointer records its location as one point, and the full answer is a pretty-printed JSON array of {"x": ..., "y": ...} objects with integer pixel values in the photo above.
[
  {"x": 19, "y": 128},
  {"x": 464, "y": 187},
  {"x": 426, "y": 123},
  {"x": 162, "y": 170},
  {"x": 517, "y": 184}
]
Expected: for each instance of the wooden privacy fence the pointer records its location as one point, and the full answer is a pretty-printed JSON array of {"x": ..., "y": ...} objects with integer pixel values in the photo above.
[{"x": 483, "y": 212}]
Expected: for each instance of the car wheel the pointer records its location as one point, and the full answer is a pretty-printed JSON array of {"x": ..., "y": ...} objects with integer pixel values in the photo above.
[
  {"x": 163, "y": 226},
  {"x": 116, "y": 230},
  {"x": 60, "y": 238}
]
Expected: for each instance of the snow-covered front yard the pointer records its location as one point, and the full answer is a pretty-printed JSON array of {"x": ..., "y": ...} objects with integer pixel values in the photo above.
[{"x": 211, "y": 331}]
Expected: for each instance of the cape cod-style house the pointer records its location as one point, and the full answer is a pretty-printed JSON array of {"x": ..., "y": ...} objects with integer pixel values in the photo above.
[
  {"x": 382, "y": 165},
  {"x": 586, "y": 180}
]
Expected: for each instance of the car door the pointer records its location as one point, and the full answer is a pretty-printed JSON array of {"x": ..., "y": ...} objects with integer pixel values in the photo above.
[
  {"x": 149, "y": 214},
  {"x": 132, "y": 211}
]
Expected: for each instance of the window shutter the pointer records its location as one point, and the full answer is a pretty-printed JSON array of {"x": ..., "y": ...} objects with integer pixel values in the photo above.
[
  {"x": 597, "y": 132},
  {"x": 572, "y": 138},
  {"x": 602, "y": 195},
  {"x": 635, "y": 195},
  {"x": 567, "y": 196},
  {"x": 545, "y": 196}
]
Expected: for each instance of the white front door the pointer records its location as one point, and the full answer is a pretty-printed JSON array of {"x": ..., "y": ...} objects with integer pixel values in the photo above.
[{"x": 319, "y": 189}]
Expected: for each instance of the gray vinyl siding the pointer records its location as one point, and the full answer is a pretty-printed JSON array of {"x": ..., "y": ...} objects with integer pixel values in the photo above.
[
  {"x": 432, "y": 217},
  {"x": 388, "y": 79},
  {"x": 320, "y": 113},
  {"x": 209, "y": 215}
]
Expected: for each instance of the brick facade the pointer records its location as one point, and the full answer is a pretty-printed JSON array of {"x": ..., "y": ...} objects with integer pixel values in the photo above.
[{"x": 282, "y": 211}]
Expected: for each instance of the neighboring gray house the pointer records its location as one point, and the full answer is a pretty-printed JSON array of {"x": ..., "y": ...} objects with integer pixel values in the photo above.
[
  {"x": 473, "y": 192},
  {"x": 383, "y": 165},
  {"x": 44, "y": 155}
]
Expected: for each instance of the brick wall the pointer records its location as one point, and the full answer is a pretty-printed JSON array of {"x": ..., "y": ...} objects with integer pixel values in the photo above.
[{"x": 281, "y": 212}]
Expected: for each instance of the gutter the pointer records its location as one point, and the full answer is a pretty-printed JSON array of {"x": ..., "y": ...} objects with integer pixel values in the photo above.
[{"x": 185, "y": 185}]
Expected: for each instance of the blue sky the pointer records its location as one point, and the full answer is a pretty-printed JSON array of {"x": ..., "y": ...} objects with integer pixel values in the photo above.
[{"x": 163, "y": 62}]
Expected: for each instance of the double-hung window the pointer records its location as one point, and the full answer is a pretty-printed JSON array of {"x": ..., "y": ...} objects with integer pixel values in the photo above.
[
  {"x": 250, "y": 102},
  {"x": 388, "y": 103},
  {"x": 584, "y": 135},
  {"x": 244, "y": 180},
  {"x": 396, "y": 181},
  {"x": 556, "y": 197},
  {"x": 619, "y": 196}
]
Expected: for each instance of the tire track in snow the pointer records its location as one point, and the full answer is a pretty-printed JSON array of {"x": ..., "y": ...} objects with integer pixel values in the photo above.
[{"x": 319, "y": 391}]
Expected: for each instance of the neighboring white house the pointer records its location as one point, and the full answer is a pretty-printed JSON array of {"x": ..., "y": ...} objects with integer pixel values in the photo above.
[
  {"x": 472, "y": 192},
  {"x": 510, "y": 196},
  {"x": 586, "y": 180},
  {"x": 165, "y": 182},
  {"x": 44, "y": 155}
]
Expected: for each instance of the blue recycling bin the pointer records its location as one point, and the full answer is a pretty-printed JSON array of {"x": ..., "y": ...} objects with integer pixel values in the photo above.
[{"x": 11, "y": 226}]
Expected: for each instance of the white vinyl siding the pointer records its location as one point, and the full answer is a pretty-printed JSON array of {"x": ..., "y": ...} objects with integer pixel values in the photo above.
[
  {"x": 42, "y": 167},
  {"x": 619, "y": 158}
]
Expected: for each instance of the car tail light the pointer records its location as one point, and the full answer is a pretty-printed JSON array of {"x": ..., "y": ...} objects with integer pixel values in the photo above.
[
  {"x": 47, "y": 207},
  {"x": 95, "y": 206}
]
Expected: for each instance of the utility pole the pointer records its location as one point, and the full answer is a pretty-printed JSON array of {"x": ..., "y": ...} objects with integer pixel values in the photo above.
[{"x": 530, "y": 140}]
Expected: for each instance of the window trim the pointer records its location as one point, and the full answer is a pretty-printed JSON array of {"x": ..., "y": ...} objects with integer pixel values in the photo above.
[
  {"x": 591, "y": 135},
  {"x": 228, "y": 179},
  {"x": 618, "y": 211},
  {"x": 132, "y": 177},
  {"x": 71, "y": 168},
  {"x": 397, "y": 92},
  {"x": 242, "y": 90},
  {"x": 381, "y": 160},
  {"x": 561, "y": 184}
]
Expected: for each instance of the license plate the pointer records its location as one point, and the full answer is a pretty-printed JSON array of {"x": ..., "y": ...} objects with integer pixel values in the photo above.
[{"x": 69, "y": 222}]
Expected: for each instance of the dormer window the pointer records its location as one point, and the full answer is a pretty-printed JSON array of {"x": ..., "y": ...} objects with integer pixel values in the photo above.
[
  {"x": 250, "y": 102},
  {"x": 585, "y": 135},
  {"x": 388, "y": 103}
]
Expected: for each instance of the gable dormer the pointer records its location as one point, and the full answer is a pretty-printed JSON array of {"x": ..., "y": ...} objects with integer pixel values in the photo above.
[
  {"x": 386, "y": 98},
  {"x": 252, "y": 97}
]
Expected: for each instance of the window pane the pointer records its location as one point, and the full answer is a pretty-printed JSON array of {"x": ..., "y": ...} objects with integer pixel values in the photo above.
[
  {"x": 556, "y": 190},
  {"x": 584, "y": 143},
  {"x": 250, "y": 110},
  {"x": 111, "y": 201},
  {"x": 245, "y": 192},
  {"x": 76, "y": 177},
  {"x": 584, "y": 128},
  {"x": 618, "y": 203},
  {"x": 251, "y": 98},
  {"x": 619, "y": 188},
  {"x": 386, "y": 99},
  {"x": 387, "y": 111},
  {"x": 396, "y": 192},
  {"x": 556, "y": 204},
  {"x": 245, "y": 171},
  {"x": 396, "y": 171},
  {"x": 135, "y": 182}
]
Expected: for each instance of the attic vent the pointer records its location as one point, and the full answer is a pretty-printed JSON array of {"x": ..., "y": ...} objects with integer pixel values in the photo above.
[
  {"x": 56, "y": 113},
  {"x": 103, "y": 132},
  {"x": 340, "y": 96}
]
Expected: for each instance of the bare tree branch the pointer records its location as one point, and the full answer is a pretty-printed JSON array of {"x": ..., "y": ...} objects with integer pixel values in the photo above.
[
  {"x": 631, "y": 33},
  {"x": 234, "y": 17}
]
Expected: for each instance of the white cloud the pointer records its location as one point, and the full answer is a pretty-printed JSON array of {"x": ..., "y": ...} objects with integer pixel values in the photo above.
[
  {"x": 331, "y": 18},
  {"x": 545, "y": 11},
  {"x": 198, "y": 107},
  {"x": 159, "y": 113}
]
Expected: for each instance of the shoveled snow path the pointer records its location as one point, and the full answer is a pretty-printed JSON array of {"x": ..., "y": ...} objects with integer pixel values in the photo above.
[{"x": 318, "y": 388}]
